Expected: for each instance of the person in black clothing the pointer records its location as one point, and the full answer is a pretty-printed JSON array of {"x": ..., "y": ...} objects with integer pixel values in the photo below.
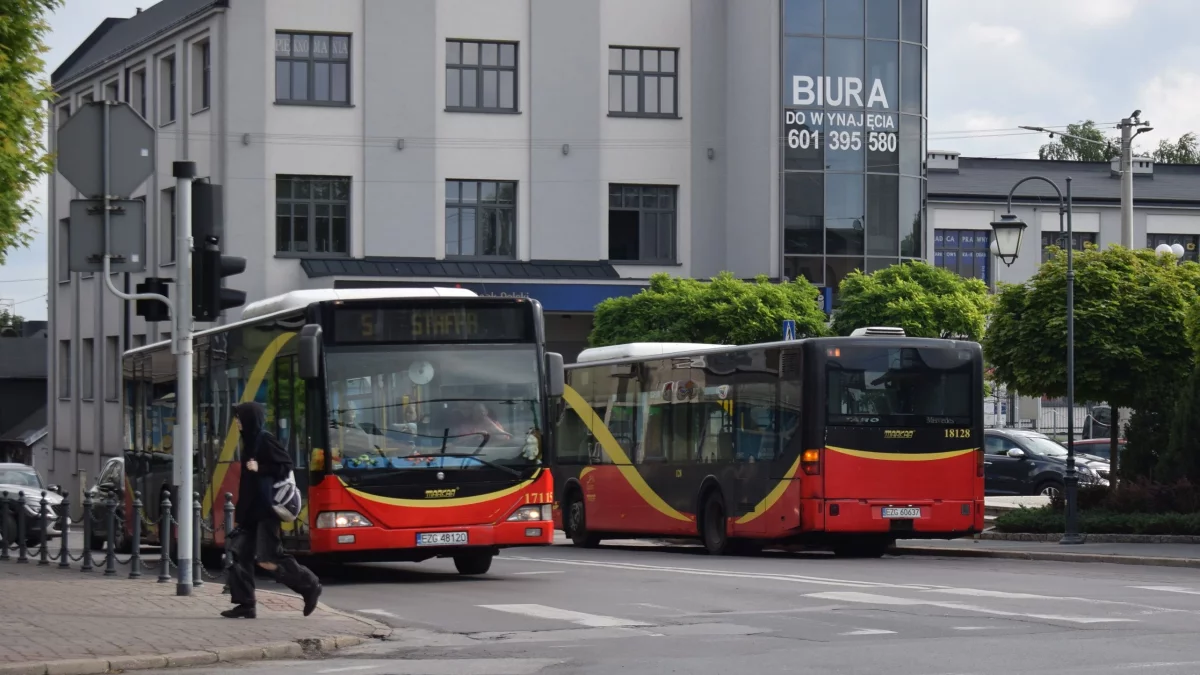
[{"x": 256, "y": 535}]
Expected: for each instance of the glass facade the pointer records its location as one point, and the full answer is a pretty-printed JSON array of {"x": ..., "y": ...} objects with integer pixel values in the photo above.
[{"x": 853, "y": 140}]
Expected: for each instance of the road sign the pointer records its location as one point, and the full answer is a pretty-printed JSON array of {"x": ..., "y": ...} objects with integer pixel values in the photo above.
[
  {"x": 85, "y": 235},
  {"x": 80, "y": 149},
  {"x": 789, "y": 329}
]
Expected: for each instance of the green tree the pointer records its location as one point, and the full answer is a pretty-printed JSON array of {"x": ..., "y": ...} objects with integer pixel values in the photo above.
[
  {"x": 1130, "y": 312},
  {"x": 724, "y": 310},
  {"x": 1100, "y": 149},
  {"x": 1180, "y": 456},
  {"x": 10, "y": 324},
  {"x": 1186, "y": 150},
  {"x": 924, "y": 300},
  {"x": 23, "y": 98}
]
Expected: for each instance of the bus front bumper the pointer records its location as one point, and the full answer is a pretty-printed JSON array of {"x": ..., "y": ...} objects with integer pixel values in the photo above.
[
  {"x": 434, "y": 539},
  {"x": 904, "y": 517}
]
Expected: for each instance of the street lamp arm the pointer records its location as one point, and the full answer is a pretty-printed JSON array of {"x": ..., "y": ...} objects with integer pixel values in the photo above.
[{"x": 1062, "y": 205}]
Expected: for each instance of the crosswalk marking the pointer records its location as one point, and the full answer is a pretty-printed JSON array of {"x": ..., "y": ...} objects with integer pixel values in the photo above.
[
  {"x": 870, "y": 631},
  {"x": 1168, "y": 589},
  {"x": 873, "y": 599},
  {"x": 554, "y": 613}
]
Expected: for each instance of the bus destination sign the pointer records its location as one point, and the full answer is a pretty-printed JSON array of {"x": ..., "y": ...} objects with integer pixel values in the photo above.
[{"x": 432, "y": 324}]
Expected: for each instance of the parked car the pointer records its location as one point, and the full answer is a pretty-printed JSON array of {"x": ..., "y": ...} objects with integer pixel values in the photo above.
[
  {"x": 18, "y": 478},
  {"x": 1100, "y": 448},
  {"x": 1020, "y": 462},
  {"x": 110, "y": 485}
]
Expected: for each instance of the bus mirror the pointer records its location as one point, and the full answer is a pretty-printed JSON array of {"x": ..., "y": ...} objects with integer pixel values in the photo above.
[
  {"x": 310, "y": 352},
  {"x": 556, "y": 378}
]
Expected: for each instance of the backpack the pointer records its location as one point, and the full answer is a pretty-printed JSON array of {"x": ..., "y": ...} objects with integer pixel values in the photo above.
[{"x": 284, "y": 495}]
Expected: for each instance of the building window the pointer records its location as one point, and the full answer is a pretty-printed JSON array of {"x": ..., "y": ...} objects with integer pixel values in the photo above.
[
  {"x": 1054, "y": 238},
  {"x": 167, "y": 225},
  {"x": 166, "y": 104},
  {"x": 111, "y": 91},
  {"x": 64, "y": 369},
  {"x": 641, "y": 223},
  {"x": 643, "y": 82},
  {"x": 312, "y": 214},
  {"x": 1189, "y": 242},
  {"x": 135, "y": 90},
  {"x": 202, "y": 78},
  {"x": 481, "y": 76},
  {"x": 481, "y": 218},
  {"x": 87, "y": 391},
  {"x": 64, "y": 261},
  {"x": 964, "y": 252},
  {"x": 112, "y": 354},
  {"x": 312, "y": 69},
  {"x": 64, "y": 114}
]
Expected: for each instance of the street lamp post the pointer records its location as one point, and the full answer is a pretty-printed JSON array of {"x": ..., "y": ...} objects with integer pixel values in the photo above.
[{"x": 1008, "y": 242}]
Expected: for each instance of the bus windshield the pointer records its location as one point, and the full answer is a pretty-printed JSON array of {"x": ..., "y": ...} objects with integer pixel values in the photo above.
[
  {"x": 428, "y": 406},
  {"x": 901, "y": 386}
]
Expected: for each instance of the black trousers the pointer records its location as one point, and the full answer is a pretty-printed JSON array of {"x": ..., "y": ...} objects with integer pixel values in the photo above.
[{"x": 262, "y": 543}]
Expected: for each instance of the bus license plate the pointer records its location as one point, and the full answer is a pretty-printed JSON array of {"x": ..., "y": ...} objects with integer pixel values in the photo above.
[
  {"x": 909, "y": 512},
  {"x": 441, "y": 538}
]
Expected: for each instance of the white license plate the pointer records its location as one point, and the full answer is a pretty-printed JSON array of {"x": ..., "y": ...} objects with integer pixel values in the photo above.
[
  {"x": 894, "y": 512},
  {"x": 441, "y": 538}
]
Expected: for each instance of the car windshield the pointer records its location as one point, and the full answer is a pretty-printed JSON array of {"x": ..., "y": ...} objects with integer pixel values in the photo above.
[
  {"x": 20, "y": 478},
  {"x": 1040, "y": 445},
  {"x": 400, "y": 407}
]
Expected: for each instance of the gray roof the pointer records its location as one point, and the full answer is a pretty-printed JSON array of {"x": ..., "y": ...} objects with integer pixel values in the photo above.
[
  {"x": 989, "y": 178},
  {"x": 29, "y": 430},
  {"x": 116, "y": 36},
  {"x": 23, "y": 358},
  {"x": 535, "y": 270}
]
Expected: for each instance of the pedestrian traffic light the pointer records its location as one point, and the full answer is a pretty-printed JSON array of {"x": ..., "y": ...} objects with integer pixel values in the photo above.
[
  {"x": 153, "y": 310},
  {"x": 209, "y": 265}
]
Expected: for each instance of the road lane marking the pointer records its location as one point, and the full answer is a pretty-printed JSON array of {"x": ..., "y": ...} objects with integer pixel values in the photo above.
[
  {"x": 554, "y": 613},
  {"x": 974, "y": 628},
  {"x": 766, "y": 576},
  {"x": 378, "y": 612},
  {"x": 1168, "y": 589},
  {"x": 540, "y": 572},
  {"x": 348, "y": 669},
  {"x": 870, "y": 631},
  {"x": 873, "y": 599}
]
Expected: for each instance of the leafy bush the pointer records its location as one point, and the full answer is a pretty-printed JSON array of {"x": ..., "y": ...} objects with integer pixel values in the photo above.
[
  {"x": 1138, "y": 497},
  {"x": 1049, "y": 520}
]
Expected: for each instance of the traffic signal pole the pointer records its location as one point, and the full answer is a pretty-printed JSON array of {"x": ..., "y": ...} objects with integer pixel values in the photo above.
[{"x": 183, "y": 437}]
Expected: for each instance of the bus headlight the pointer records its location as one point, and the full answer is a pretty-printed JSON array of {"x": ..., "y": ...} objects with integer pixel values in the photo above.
[
  {"x": 329, "y": 520},
  {"x": 531, "y": 513}
]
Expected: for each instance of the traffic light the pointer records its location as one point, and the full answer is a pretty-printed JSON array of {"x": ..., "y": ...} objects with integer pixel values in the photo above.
[
  {"x": 209, "y": 266},
  {"x": 153, "y": 310}
]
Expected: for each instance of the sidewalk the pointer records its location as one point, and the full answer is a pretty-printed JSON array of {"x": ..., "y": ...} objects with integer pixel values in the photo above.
[
  {"x": 1160, "y": 555},
  {"x": 49, "y": 616}
]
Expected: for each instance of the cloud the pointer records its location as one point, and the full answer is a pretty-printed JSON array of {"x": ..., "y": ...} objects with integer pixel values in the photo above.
[
  {"x": 1171, "y": 103},
  {"x": 996, "y": 36}
]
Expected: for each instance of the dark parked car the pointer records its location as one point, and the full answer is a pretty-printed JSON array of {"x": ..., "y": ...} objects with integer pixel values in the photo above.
[{"x": 1020, "y": 462}]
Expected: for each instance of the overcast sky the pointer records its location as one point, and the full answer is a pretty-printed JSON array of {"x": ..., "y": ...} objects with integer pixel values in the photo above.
[{"x": 993, "y": 66}]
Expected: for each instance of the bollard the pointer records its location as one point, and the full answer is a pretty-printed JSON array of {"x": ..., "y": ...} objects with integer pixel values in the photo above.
[
  {"x": 22, "y": 549},
  {"x": 164, "y": 533},
  {"x": 64, "y": 551},
  {"x": 197, "y": 564},
  {"x": 87, "y": 532},
  {"x": 44, "y": 523},
  {"x": 229, "y": 509},
  {"x": 4, "y": 533},
  {"x": 135, "y": 563},
  {"x": 110, "y": 543}
]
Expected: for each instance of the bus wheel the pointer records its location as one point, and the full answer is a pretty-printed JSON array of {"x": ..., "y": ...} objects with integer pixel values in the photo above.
[
  {"x": 473, "y": 563},
  {"x": 712, "y": 531},
  {"x": 576, "y": 524}
]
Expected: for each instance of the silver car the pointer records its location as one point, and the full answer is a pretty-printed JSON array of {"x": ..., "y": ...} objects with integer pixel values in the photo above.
[{"x": 18, "y": 478}]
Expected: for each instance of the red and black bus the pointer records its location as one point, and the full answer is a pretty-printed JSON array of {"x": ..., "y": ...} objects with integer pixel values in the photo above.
[
  {"x": 846, "y": 443},
  {"x": 416, "y": 418}
]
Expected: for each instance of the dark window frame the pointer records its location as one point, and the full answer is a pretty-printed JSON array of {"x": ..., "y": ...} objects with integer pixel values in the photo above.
[
  {"x": 1189, "y": 255},
  {"x": 171, "y": 62},
  {"x": 642, "y": 76},
  {"x": 206, "y": 76},
  {"x": 673, "y": 257},
  {"x": 311, "y": 74},
  {"x": 311, "y": 204},
  {"x": 1056, "y": 238},
  {"x": 958, "y": 249},
  {"x": 480, "y": 70},
  {"x": 480, "y": 208},
  {"x": 168, "y": 195}
]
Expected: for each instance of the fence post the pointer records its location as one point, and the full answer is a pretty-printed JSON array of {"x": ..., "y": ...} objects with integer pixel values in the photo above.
[
  {"x": 22, "y": 549},
  {"x": 110, "y": 544},
  {"x": 64, "y": 550},
  {"x": 228, "y": 557},
  {"x": 197, "y": 563},
  {"x": 87, "y": 532},
  {"x": 164, "y": 533},
  {"x": 135, "y": 563},
  {"x": 44, "y": 523},
  {"x": 4, "y": 533}
]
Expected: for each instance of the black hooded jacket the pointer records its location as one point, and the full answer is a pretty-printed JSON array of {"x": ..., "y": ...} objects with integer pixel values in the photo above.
[{"x": 274, "y": 463}]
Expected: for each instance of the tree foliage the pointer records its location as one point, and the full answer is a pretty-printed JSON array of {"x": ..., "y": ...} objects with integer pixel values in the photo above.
[
  {"x": 1186, "y": 150},
  {"x": 10, "y": 324},
  {"x": 1130, "y": 311},
  {"x": 725, "y": 310},
  {"x": 1101, "y": 149},
  {"x": 924, "y": 300},
  {"x": 23, "y": 97}
]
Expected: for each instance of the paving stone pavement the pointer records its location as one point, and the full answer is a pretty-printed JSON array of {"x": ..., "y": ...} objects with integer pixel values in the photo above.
[{"x": 51, "y": 614}]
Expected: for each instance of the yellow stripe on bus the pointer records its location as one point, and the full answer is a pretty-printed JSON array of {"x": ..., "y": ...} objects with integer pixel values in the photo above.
[
  {"x": 618, "y": 456},
  {"x": 440, "y": 503},
  {"x": 773, "y": 496},
  {"x": 902, "y": 456}
]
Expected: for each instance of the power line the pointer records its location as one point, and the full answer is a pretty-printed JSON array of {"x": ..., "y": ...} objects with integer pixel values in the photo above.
[
  {"x": 19, "y": 281},
  {"x": 21, "y": 302}
]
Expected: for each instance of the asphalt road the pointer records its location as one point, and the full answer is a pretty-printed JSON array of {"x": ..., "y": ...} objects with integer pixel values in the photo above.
[{"x": 656, "y": 609}]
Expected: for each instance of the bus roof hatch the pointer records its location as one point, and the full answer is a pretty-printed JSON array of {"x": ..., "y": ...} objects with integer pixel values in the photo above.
[
  {"x": 298, "y": 299},
  {"x": 878, "y": 330},
  {"x": 639, "y": 350}
]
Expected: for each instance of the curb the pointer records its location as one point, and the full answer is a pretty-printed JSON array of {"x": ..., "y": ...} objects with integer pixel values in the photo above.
[
  {"x": 1093, "y": 538},
  {"x": 1109, "y": 558}
]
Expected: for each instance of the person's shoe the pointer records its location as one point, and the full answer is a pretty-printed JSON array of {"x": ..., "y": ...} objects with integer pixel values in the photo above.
[
  {"x": 241, "y": 612},
  {"x": 310, "y": 599}
]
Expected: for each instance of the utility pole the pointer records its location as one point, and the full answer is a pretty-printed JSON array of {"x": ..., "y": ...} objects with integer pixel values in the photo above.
[{"x": 1127, "y": 127}]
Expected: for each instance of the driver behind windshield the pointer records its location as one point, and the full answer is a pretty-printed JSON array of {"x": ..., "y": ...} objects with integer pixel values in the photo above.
[{"x": 476, "y": 420}]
